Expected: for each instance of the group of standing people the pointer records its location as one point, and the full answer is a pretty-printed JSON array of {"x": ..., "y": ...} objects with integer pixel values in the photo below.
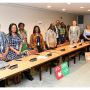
[
  {"x": 15, "y": 42},
  {"x": 59, "y": 33}
]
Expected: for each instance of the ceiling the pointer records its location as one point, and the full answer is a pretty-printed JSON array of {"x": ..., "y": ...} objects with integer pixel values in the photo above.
[{"x": 70, "y": 7}]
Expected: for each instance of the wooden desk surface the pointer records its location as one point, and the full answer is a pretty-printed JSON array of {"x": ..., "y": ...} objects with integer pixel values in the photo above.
[
  {"x": 26, "y": 64},
  {"x": 68, "y": 49},
  {"x": 22, "y": 65}
]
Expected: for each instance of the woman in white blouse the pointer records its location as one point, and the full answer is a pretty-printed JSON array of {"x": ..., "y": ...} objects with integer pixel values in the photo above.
[{"x": 86, "y": 33}]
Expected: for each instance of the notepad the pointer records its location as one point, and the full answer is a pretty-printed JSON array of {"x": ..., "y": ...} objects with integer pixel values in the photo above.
[
  {"x": 42, "y": 57},
  {"x": 72, "y": 46}
]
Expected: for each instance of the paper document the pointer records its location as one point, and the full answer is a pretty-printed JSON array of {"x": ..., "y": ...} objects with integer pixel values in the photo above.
[{"x": 42, "y": 57}]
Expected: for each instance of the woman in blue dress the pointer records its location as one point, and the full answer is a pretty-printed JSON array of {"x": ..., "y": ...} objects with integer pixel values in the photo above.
[
  {"x": 15, "y": 45},
  {"x": 15, "y": 42}
]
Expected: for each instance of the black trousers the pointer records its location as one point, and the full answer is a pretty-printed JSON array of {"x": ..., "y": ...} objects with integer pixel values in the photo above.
[
  {"x": 39, "y": 49},
  {"x": 27, "y": 73},
  {"x": 58, "y": 41},
  {"x": 2, "y": 83}
]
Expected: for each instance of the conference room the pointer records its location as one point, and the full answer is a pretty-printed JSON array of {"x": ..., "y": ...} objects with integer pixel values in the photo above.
[{"x": 44, "y": 44}]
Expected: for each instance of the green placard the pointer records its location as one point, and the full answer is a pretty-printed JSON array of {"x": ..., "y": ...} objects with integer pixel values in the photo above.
[{"x": 65, "y": 69}]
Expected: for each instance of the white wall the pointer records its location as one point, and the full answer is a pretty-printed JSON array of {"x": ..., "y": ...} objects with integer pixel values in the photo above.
[{"x": 30, "y": 16}]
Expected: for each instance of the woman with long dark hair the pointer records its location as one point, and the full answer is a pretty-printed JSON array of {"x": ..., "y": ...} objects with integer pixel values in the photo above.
[
  {"x": 15, "y": 45},
  {"x": 36, "y": 39},
  {"x": 15, "y": 42}
]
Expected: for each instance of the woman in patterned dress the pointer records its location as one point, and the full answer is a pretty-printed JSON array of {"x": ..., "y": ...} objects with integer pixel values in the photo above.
[
  {"x": 15, "y": 42},
  {"x": 15, "y": 45}
]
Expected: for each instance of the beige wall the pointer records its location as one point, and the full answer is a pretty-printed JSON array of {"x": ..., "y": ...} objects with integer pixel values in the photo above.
[{"x": 30, "y": 16}]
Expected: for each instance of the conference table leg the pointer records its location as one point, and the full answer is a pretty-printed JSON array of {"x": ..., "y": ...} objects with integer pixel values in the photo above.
[
  {"x": 46, "y": 66},
  {"x": 40, "y": 72},
  {"x": 79, "y": 56},
  {"x": 68, "y": 61},
  {"x": 50, "y": 69},
  {"x": 87, "y": 49},
  {"x": 74, "y": 60}
]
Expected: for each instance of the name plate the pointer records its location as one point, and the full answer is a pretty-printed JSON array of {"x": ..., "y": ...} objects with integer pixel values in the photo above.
[
  {"x": 33, "y": 59},
  {"x": 50, "y": 54},
  {"x": 13, "y": 66},
  {"x": 62, "y": 49},
  {"x": 80, "y": 44}
]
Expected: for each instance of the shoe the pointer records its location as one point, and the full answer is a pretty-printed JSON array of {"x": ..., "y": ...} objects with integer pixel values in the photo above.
[
  {"x": 2, "y": 83},
  {"x": 29, "y": 77},
  {"x": 37, "y": 69}
]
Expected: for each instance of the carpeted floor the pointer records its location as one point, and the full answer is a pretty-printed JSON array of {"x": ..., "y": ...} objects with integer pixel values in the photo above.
[{"x": 79, "y": 77}]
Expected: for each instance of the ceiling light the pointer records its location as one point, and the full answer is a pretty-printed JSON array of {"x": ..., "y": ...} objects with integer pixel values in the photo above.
[
  {"x": 82, "y": 7},
  {"x": 49, "y": 6},
  {"x": 63, "y": 9},
  {"x": 88, "y": 9},
  {"x": 68, "y": 3}
]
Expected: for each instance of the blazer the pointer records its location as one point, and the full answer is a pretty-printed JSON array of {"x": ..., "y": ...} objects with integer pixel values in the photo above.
[{"x": 33, "y": 41}]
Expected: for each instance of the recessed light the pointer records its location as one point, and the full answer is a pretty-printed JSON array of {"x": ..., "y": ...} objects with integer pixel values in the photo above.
[
  {"x": 89, "y": 10},
  {"x": 63, "y": 9},
  {"x": 68, "y": 3},
  {"x": 82, "y": 7},
  {"x": 49, "y": 6}
]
